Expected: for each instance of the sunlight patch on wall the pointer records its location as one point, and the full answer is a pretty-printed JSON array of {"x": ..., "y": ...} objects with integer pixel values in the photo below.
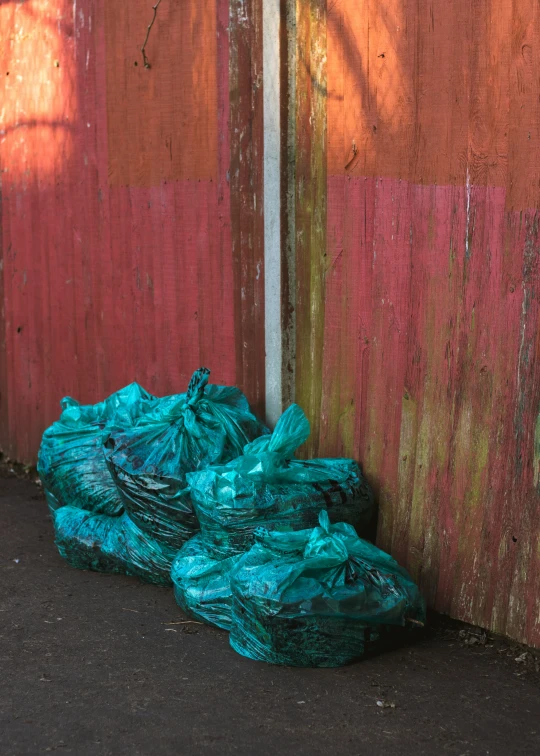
[{"x": 38, "y": 96}]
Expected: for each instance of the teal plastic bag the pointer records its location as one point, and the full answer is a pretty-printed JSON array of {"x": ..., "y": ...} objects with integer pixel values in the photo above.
[
  {"x": 102, "y": 543},
  {"x": 71, "y": 464},
  {"x": 268, "y": 487},
  {"x": 318, "y": 597},
  {"x": 201, "y": 583},
  {"x": 149, "y": 462}
]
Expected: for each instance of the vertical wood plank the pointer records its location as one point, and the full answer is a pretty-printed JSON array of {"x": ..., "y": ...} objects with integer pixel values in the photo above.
[
  {"x": 310, "y": 203},
  {"x": 246, "y": 180}
]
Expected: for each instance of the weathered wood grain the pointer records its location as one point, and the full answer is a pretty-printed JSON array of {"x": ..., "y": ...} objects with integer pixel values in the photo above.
[
  {"x": 117, "y": 219},
  {"x": 428, "y": 300},
  {"x": 246, "y": 179},
  {"x": 310, "y": 205}
]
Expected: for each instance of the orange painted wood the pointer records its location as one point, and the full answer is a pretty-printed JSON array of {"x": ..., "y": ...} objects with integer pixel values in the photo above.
[{"x": 162, "y": 123}]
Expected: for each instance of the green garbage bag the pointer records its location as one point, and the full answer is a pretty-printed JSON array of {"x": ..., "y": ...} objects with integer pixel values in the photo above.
[
  {"x": 201, "y": 583},
  {"x": 318, "y": 597},
  {"x": 71, "y": 464},
  {"x": 103, "y": 543},
  {"x": 149, "y": 462},
  {"x": 268, "y": 487}
]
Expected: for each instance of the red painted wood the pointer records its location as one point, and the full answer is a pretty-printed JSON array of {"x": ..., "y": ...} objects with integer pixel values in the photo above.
[
  {"x": 433, "y": 385},
  {"x": 431, "y": 353},
  {"x": 117, "y": 260}
]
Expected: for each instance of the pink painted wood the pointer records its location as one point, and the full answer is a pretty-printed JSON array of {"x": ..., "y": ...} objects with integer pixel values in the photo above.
[{"x": 117, "y": 226}]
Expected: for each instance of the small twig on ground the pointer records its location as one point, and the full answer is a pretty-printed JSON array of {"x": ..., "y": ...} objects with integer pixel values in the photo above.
[
  {"x": 130, "y": 610},
  {"x": 187, "y": 622},
  {"x": 146, "y": 62}
]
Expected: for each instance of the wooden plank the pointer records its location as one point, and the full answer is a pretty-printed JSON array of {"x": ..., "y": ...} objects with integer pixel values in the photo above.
[
  {"x": 37, "y": 137},
  {"x": 288, "y": 198},
  {"x": 246, "y": 192},
  {"x": 224, "y": 341},
  {"x": 162, "y": 120},
  {"x": 310, "y": 208},
  {"x": 427, "y": 304},
  {"x": 4, "y": 388}
]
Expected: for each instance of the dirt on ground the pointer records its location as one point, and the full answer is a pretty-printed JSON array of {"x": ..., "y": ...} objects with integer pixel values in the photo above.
[{"x": 99, "y": 665}]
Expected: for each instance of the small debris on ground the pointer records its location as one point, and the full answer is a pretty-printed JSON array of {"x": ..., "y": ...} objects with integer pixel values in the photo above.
[{"x": 386, "y": 705}]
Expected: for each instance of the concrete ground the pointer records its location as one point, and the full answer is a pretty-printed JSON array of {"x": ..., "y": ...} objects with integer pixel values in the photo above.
[{"x": 97, "y": 665}]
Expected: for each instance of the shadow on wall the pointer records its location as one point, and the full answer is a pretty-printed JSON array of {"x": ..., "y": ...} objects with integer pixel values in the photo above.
[
  {"x": 410, "y": 96},
  {"x": 367, "y": 57}
]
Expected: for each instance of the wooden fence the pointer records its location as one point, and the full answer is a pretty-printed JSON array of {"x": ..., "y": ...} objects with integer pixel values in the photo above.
[{"x": 132, "y": 246}]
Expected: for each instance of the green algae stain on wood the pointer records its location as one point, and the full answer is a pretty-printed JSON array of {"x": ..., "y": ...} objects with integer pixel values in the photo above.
[
  {"x": 311, "y": 209},
  {"x": 443, "y": 417},
  {"x": 406, "y": 469},
  {"x": 536, "y": 458}
]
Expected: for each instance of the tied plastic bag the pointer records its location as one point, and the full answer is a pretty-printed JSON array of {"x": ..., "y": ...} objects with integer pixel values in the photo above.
[
  {"x": 71, "y": 464},
  {"x": 149, "y": 462},
  {"x": 268, "y": 487},
  {"x": 201, "y": 583},
  {"x": 110, "y": 544},
  {"x": 318, "y": 598}
]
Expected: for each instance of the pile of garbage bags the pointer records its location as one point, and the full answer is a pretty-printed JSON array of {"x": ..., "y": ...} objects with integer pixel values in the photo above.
[
  {"x": 192, "y": 489},
  {"x": 115, "y": 473}
]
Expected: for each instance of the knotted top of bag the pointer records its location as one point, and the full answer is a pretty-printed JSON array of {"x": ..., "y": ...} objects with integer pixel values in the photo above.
[
  {"x": 271, "y": 458},
  {"x": 197, "y": 382},
  {"x": 328, "y": 572},
  {"x": 331, "y": 554},
  {"x": 329, "y": 567},
  {"x": 328, "y": 544},
  {"x": 208, "y": 424}
]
